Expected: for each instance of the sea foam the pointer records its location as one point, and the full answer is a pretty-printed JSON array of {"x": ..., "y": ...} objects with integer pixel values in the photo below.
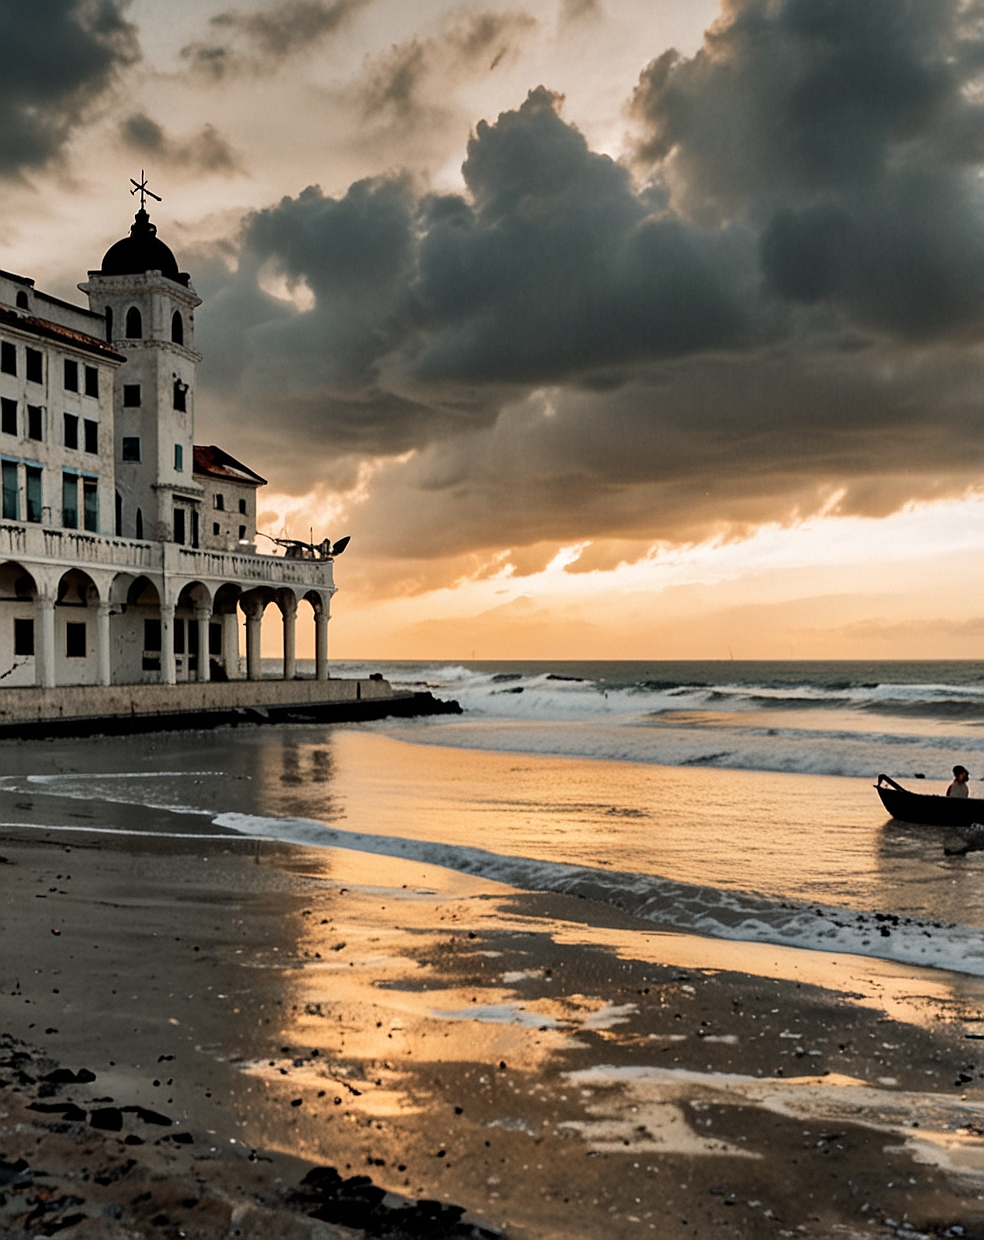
[{"x": 705, "y": 910}]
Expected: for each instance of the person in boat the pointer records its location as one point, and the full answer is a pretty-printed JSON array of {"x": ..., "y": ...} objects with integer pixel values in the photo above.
[{"x": 959, "y": 786}]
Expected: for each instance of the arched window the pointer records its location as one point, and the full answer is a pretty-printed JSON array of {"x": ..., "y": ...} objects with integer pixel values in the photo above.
[
  {"x": 109, "y": 323},
  {"x": 134, "y": 324},
  {"x": 139, "y": 529},
  {"x": 177, "y": 328},
  {"x": 22, "y": 302},
  {"x": 119, "y": 515}
]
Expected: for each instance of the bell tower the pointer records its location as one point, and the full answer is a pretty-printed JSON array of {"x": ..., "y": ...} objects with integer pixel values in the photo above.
[{"x": 149, "y": 307}]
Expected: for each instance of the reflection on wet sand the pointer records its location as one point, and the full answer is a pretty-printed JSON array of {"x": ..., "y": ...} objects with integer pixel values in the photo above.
[
  {"x": 450, "y": 1040},
  {"x": 637, "y": 1103}
]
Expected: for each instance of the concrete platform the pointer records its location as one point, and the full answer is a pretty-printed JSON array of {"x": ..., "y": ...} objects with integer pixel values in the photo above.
[{"x": 81, "y": 710}]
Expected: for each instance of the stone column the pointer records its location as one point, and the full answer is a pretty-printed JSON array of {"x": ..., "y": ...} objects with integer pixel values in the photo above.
[
  {"x": 254, "y": 620},
  {"x": 321, "y": 643},
  {"x": 230, "y": 645},
  {"x": 169, "y": 671},
  {"x": 203, "y": 615},
  {"x": 103, "y": 648},
  {"x": 289, "y": 607},
  {"x": 44, "y": 640}
]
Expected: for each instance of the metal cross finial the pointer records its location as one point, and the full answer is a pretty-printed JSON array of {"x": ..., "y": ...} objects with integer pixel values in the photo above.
[{"x": 141, "y": 186}]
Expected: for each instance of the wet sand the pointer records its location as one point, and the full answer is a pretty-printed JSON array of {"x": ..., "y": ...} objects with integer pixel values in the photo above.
[{"x": 553, "y": 1067}]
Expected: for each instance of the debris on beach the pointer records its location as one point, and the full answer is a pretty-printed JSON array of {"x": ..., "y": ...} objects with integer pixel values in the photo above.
[{"x": 357, "y": 1202}]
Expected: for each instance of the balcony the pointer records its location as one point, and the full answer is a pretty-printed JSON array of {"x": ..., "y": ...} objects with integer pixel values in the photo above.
[
  {"x": 200, "y": 564},
  {"x": 39, "y": 544}
]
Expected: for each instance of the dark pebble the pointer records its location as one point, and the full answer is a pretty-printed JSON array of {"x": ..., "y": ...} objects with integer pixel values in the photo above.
[{"x": 110, "y": 1119}]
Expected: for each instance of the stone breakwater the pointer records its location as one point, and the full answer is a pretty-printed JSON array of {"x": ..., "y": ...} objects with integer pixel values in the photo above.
[{"x": 83, "y": 710}]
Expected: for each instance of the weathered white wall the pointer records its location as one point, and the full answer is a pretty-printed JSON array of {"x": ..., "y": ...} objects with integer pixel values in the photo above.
[
  {"x": 229, "y": 518},
  {"x": 126, "y": 636}
]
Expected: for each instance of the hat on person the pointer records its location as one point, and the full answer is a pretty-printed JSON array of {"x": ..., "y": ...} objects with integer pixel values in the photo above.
[{"x": 960, "y": 770}]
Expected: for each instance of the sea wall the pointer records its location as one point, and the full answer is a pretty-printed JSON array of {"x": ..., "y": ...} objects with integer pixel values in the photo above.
[
  {"x": 79, "y": 701},
  {"x": 82, "y": 709}
]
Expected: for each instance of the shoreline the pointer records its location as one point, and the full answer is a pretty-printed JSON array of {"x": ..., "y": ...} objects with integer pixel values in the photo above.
[{"x": 400, "y": 988}]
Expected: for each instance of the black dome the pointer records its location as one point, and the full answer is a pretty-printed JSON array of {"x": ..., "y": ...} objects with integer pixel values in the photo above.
[{"x": 142, "y": 251}]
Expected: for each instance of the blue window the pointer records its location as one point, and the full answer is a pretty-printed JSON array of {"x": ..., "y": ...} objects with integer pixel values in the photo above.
[
  {"x": 11, "y": 492},
  {"x": 90, "y": 504},
  {"x": 70, "y": 501},
  {"x": 33, "y": 480}
]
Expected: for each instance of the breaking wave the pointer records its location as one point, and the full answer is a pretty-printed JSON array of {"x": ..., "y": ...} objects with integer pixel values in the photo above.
[
  {"x": 906, "y": 719},
  {"x": 711, "y": 911}
]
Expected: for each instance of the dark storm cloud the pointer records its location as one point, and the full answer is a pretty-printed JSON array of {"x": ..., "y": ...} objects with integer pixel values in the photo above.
[
  {"x": 557, "y": 267},
  {"x": 259, "y": 39},
  {"x": 850, "y": 135},
  {"x": 779, "y": 302},
  {"x": 694, "y": 449},
  {"x": 427, "y": 309},
  {"x": 59, "y": 57},
  {"x": 206, "y": 151}
]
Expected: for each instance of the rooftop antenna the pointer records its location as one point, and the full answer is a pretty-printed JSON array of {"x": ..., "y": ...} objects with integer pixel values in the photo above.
[{"x": 141, "y": 187}]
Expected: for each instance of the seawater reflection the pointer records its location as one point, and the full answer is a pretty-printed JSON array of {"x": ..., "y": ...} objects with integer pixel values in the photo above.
[
  {"x": 789, "y": 837},
  {"x": 797, "y": 837}
]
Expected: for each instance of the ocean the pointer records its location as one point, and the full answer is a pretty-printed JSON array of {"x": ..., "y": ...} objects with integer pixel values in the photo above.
[
  {"x": 727, "y": 799},
  {"x": 855, "y": 719}
]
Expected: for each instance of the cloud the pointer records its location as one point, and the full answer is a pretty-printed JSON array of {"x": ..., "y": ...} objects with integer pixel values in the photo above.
[
  {"x": 849, "y": 134},
  {"x": 408, "y": 84},
  {"x": 206, "y": 151},
  {"x": 60, "y": 59},
  {"x": 430, "y": 310},
  {"x": 774, "y": 310},
  {"x": 259, "y": 40},
  {"x": 572, "y": 11}
]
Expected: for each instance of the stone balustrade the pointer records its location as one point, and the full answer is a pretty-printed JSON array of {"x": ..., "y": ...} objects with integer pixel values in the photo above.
[{"x": 72, "y": 548}]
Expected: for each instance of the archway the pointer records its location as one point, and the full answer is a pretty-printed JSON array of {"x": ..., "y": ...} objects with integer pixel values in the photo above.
[
  {"x": 286, "y": 600},
  {"x": 320, "y": 605},
  {"x": 18, "y": 591},
  {"x": 192, "y": 617},
  {"x": 225, "y": 662},
  {"x": 81, "y": 631},
  {"x": 254, "y": 603},
  {"x": 135, "y": 630}
]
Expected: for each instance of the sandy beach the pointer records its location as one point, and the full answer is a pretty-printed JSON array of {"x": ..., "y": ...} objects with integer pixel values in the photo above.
[{"x": 237, "y": 1012}]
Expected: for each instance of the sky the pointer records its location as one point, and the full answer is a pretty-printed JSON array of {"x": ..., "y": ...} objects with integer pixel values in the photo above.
[{"x": 606, "y": 328}]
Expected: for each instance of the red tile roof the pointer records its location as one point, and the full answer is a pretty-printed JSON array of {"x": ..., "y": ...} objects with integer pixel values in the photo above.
[
  {"x": 215, "y": 463},
  {"x": 61, "y": 335}
]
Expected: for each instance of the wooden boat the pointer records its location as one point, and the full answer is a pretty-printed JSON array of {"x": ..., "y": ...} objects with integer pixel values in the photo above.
[{"x": 927, "y": 809}]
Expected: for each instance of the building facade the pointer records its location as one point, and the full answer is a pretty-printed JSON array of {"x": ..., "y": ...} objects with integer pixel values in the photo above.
[{"x": 127, "y": 552}]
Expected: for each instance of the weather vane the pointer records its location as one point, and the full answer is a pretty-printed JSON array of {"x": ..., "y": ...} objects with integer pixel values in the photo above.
[{"x": 141, "y": 186}]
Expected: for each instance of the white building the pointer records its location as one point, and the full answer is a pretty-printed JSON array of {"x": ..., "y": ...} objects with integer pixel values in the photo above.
[{"x": 127, "y": 552}]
